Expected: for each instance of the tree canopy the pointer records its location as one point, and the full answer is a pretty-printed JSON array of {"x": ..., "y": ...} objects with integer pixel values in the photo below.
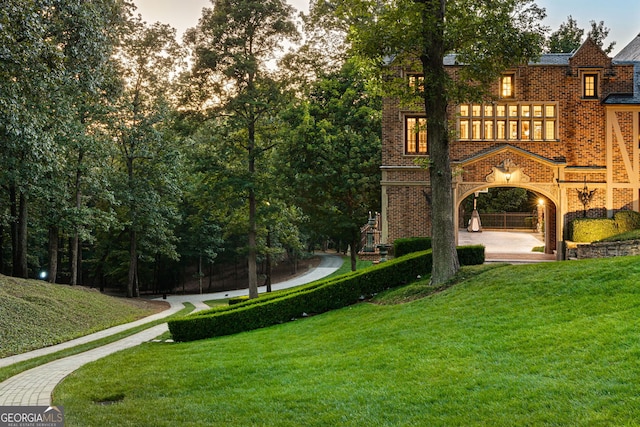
[
  {"x": 487, "y": 37},
  {"x": 568, "y": 37},
  {"x": 124, "y": 165}
]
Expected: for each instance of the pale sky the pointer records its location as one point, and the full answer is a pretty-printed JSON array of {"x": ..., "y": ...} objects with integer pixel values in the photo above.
[{"x": 621, "y": 16}]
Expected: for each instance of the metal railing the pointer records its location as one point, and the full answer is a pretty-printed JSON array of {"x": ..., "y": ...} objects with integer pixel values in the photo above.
[{"x": 505, "y": 221}]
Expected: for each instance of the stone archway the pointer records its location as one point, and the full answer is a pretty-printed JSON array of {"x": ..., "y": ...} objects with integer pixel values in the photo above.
[{"x": 547, "y": 193}]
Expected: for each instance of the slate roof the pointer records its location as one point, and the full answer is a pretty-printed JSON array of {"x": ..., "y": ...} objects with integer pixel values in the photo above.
[
  {"x": 627, "y": 98},
  {"x": 630, "y": 53},
  {"x": 545, "y": 59}
]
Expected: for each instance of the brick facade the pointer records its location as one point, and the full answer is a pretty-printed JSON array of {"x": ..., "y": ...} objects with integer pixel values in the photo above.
[{"x": 580, "y": 140}]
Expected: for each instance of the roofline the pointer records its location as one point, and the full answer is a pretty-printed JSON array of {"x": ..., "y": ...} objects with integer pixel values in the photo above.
[{"x": 509, "y": 147}]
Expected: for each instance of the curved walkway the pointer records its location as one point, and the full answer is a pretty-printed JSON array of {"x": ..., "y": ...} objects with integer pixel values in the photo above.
[{"x": 34, "y": 387}]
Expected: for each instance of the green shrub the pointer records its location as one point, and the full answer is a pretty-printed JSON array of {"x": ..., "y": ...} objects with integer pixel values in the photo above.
[
  {"x": 314, "y": 298},
  {"x": 409, "y": 245},
  {"x": 595, "y": 229},
  {"x": 471, "y": 255},
  {"x": 626, "y": 236},
  {"x": 627, "y": 221},
  {"x": 592, "y": 229},
  {"x": 238, "y": 300}
]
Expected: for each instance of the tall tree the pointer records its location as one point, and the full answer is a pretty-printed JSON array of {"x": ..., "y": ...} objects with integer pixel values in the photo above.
[
  {"x": 487, "y": 36},
  {"x": 90, "y": 35},
  {"x": 599, "y": 33},
  {"x": 234, "y": 42},
  {"x": 333, "y": 157},
  {"x": 568, "y": 37},
  {"x": 149, "y": 189},
  {"x": 47, "y": 49}
]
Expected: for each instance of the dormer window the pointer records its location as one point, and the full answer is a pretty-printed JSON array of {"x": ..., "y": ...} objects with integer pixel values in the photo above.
[
  {"x": 590, "y": 86},
  {"x": 507, "y": 86}
]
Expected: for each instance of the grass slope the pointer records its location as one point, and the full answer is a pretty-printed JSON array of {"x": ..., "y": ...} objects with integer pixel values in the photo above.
[
  {"x": 36, "y": 314},
  {"x": 546, "y": 344}
]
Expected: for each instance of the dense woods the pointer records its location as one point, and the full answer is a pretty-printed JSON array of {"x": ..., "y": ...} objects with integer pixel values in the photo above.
[{"x": 136, "y": 161}]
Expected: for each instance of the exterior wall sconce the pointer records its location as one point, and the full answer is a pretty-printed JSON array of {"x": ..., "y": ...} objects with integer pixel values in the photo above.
[
  {"x": 506, "y": 172},
  {"x": 585, "y": 195}
]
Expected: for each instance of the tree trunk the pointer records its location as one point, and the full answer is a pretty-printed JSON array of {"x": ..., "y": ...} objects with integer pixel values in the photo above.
[
  {"x": 73, "y": 259},
  {"x": 445, "y": 257},
  {"x": 1, "y": 249},
  {"x": 210, "y": 276},
  {"x": 253, "y": 232},
  {"x": 354, "y": 251},
  {"x": 53, "y": 253},
  {"x": 253, "y": 255},
  {"x": 20, "y": 268},
  {"x": 13, "y": 207},
  {"x": 79, "y": 266},
  {"x": 268, "y": 266},
  {"x": 75, "y": 240},
  {"x": 200, "y": 275},
  {"x": 132, "y": 284}
]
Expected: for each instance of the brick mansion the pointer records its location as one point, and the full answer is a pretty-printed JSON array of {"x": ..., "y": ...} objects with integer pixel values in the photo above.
[{"x": 554, "y": 127}]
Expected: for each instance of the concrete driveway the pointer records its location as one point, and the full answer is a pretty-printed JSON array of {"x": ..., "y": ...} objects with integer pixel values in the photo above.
[{"x": 506, "y": 245}]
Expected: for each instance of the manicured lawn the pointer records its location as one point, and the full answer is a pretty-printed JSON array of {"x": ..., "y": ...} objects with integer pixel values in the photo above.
[
  {"x": 16, "y": 368},
  {"x": 36, "y": 314},
  {"x": 546, "y": 344}
]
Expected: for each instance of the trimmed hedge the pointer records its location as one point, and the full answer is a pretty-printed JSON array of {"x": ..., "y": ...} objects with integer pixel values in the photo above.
[
  {"x": 238, "y": 300},
  {"x": 592, "y": 229},
  {"x": 410, "y": 245},
  {"x": 627, "y": 220},
  {"x": 595, "y": 229},
  {"x": 317, "y": 297}
]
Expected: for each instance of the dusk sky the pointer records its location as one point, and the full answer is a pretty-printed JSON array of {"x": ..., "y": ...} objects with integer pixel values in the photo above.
[{"x": 621, "y": 16}]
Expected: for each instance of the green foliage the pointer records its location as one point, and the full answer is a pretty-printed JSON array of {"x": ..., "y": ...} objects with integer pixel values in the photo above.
[
  {"x": 628, "y": 235},
  {"x": 314, "y": 298},
  {"x": 409, "y": 245},
  {"x": 35, "y": 314},
  {"x": 501, "y": 199},
  {"x": 598, "y": 34},
  {"x": 591, "y": 229},
  {"x": 54, "y": 75},
  {"x": 233, "y": 43},
  {"x": 596, "y": 229},
  {"x": 238, "y": 300},
  {"x": 471, "y": 255},
  {"x": 627, "y": 221},
  {"x": 567, "y": 38},
  {"x": 333, "y": 155}
]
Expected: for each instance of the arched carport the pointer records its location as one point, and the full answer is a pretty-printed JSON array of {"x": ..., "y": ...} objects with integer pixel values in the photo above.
[
  {"x": 548, "y": 207},
  {"x": 509, "y": 166}
]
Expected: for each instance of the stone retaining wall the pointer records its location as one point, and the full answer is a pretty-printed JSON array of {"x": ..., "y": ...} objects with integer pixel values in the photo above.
[{"x": 608, "y": 249}]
